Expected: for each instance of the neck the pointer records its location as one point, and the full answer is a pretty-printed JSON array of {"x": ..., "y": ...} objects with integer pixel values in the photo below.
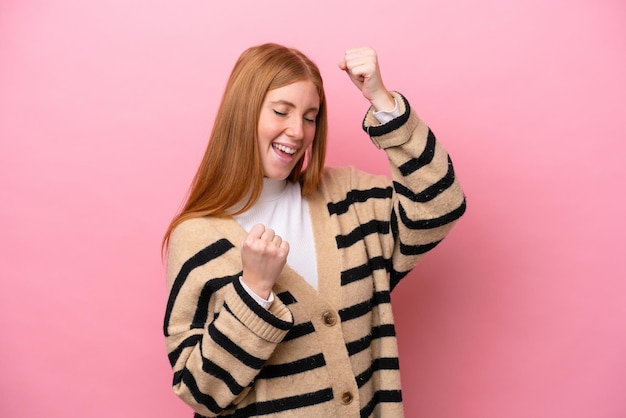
[{"x": 272, "y": 189}]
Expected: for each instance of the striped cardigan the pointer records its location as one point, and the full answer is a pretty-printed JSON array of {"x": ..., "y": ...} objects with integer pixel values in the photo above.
[{"x": 330, "y": 352}]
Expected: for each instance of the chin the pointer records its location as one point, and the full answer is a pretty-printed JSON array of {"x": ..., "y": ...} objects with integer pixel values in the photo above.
[{"x": 275, "y": 176}]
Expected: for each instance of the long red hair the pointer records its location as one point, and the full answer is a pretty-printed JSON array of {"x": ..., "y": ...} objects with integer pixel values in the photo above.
[{"x": 231, "y": 167}]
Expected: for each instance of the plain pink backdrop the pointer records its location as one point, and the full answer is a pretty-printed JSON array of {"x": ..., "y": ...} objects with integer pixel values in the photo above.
[{"x": 105, "y": 108}]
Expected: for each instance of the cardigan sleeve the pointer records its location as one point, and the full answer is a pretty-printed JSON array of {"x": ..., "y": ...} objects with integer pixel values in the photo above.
[
  {"x": 218, "y": 338},
  {"x": 427, "y": 198}
]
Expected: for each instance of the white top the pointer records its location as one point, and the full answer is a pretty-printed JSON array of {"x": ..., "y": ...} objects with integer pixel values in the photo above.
[{"x": 282, "y": 208}]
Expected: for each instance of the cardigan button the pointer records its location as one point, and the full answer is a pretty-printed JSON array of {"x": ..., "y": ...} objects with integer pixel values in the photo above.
[
  {"x": 347, "y": 398},
  {"x": 329, "y": 318}
]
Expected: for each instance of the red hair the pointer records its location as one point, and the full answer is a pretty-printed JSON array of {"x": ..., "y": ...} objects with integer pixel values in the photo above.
[{"x": 232, "y": 154}]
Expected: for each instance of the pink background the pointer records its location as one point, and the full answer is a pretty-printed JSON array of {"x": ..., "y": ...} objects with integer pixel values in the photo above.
[{"x": 104, "y": 114}]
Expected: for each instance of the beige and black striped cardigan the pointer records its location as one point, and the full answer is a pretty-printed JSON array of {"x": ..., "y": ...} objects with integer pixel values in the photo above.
[{"x": 330, "y": 352}]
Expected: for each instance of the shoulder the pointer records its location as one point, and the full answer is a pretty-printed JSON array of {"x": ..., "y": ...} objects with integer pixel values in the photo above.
[
  {"x": 342, "y": 186},
  {"x": 195, "y": 229},
  {"x": 193, "y": 235},
  {"x": 199, "y": 241},
  {"x": 345, "y": 179}
]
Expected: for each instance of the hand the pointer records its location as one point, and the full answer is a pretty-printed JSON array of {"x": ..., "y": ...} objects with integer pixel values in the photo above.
[
  {"x": 361, "y": 65},
  {"x": 263, "y": 256}
]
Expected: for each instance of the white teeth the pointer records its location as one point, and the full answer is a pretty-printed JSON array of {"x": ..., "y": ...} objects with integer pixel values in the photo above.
[{"x": 284, "y": 149}]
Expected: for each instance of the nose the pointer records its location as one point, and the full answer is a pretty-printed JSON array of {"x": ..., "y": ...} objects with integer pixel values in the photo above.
[{"x": 295, "y": 128}]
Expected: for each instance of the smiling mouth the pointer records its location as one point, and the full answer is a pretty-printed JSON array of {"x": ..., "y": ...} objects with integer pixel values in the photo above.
[{"x": 284, "y": 149}]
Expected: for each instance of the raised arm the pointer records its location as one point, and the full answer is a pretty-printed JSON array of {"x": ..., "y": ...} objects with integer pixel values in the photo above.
[{"x": 427, "y": 198}]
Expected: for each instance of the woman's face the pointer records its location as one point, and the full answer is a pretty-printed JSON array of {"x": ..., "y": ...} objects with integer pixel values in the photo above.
[{"x": 287, "y": 127}]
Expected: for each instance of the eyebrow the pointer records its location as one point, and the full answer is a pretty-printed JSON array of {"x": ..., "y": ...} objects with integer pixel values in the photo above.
[{"x": 288, "y": 103}]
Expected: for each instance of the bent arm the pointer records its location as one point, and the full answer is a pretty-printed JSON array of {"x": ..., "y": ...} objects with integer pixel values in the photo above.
[
  {"x": 427, "y": 196},
  {"x": 218, "y": 338}
]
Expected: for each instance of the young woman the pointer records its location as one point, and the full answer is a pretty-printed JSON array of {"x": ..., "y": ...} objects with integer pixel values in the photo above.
[{"x": 280, "y": 269}]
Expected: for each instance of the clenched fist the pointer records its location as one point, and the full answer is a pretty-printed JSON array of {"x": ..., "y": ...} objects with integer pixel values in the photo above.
[
  {"x": 361, "y": 65},
  {"x": 263, "y": 256}
]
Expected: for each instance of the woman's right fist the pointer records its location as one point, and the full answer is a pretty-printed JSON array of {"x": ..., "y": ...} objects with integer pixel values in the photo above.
[{"x": 263, "y": 256}]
